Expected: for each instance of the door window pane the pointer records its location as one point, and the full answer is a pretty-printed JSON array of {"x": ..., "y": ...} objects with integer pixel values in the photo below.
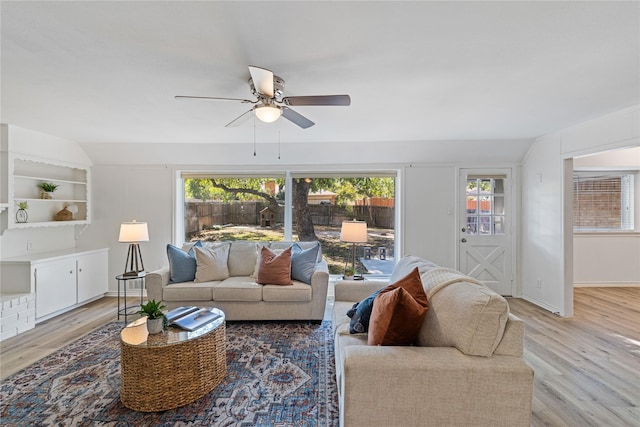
[{"x": 485, "y": 206}]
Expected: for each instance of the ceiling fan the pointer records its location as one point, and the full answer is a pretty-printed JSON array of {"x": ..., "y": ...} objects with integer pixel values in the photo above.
[{"x": 271, "y": 102}]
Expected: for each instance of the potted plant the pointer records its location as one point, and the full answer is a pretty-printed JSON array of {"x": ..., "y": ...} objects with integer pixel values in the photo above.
[
  {"x": 47, "y": 189},
  {"x": 348, "y": 273},
  {"x": 155, "y": 317},
  {"x": 21, "y": 214}
]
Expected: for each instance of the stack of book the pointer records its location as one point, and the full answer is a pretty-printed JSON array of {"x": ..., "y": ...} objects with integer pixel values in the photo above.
[{"x": 190, "y": 318}]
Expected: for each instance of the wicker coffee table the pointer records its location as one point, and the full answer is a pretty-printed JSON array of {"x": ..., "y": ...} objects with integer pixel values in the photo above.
[{"x": 172, "y": 368}]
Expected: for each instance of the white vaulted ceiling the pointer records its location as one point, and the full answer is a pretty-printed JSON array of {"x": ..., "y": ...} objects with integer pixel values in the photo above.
[{"x": 107, "y": 72}]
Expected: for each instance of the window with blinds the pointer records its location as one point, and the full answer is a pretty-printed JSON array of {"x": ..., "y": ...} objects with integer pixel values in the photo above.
[{"x": 602, "y": 201}]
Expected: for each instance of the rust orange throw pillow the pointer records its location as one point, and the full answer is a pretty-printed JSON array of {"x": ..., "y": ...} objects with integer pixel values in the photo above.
[
  {"x": 398, "y": 312},
  {"x": 274, "y": 269}
]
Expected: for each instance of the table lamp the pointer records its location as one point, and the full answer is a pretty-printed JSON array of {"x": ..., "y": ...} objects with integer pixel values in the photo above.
[
  {"x": 354, "y": 232},
  {"x": 133, "y": 232}
]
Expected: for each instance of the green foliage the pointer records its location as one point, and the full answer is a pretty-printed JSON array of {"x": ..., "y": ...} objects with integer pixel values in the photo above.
[
  {"x": 23, "y": 205},
  {"x": 49, "y": 187},
  {"x": 152, "y": 309},
  {"x": 347, "y": 189},
  {"x": 349, "y": 271}
]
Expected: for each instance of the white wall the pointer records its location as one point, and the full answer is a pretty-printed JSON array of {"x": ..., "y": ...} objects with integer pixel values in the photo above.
[
  {"x": 547, "y": 239},
  {"x": 428, "y": 213}
]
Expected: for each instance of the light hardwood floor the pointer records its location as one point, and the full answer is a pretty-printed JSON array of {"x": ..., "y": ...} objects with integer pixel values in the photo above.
[{"x": 586, "y": 367}]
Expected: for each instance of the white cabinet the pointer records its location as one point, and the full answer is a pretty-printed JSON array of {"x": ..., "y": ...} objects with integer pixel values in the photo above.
[
  {"x": 92, "y": 272},
  {"x": 55, "y": 283},
  {"x": 60, "y": 280}
]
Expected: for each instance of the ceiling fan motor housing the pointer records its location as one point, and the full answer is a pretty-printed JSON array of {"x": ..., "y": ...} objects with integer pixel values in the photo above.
[{"x": 278, "y": 88}]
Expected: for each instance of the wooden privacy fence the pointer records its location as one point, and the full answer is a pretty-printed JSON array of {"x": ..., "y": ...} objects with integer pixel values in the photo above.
[{"x": 203, "y": 215}]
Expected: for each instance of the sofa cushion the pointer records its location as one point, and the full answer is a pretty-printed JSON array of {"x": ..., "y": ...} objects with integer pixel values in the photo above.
[
  {"x": 211, "y": 263},
  {"x": 298, "y": 291},
  {"x": 188, "y": 291},
  {"x": 360, "y": 314},
  {"x": 242, "y": 258},
  {"x": 398, "y": 312},
  {"x": 274, "y": 269},
  {"x": 464, "y": 315},
  {"x": 239, "y": 288},
  {"x": 303, "y": 262},
  {"x": 182, "y": 262},
  {"x": 259, "y": 247}
]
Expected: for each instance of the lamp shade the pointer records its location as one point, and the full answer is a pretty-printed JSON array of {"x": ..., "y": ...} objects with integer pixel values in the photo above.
[
  {"x": 133, "y": 232},
  {"x": 353, "y": 232},
  {"x": 268, "y": 113}
]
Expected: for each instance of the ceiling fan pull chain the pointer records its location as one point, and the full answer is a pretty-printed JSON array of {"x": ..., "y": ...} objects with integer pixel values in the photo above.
[{"x": 254, "y": 135}]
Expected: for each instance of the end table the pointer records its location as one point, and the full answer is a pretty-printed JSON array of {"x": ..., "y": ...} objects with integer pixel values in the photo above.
[{"x": 124, "y": 280}]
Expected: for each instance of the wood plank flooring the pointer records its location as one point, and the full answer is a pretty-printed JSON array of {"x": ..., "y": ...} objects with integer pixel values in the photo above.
[{"x": 586, "y": 367}]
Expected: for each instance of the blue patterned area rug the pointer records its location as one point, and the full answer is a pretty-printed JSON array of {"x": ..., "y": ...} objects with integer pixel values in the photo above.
[{"x": 278, "y": 374}]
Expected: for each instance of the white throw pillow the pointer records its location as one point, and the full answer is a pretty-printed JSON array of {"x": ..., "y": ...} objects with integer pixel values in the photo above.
[{"x": 211, "y": 263}]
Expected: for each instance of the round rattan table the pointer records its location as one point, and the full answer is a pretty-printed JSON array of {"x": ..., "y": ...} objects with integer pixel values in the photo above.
[{"x": 172, "y": 368}]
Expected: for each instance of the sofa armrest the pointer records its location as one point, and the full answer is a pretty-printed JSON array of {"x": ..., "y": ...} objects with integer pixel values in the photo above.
[
  {"x": 155, "y": 281},
  {"x": 319, "y": 289},
  {"x": 357, "y": 290},
  {"x": 432, "y": 386}
]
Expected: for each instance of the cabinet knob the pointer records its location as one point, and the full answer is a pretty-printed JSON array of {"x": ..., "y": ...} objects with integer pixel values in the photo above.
[
  {"x": 70, "y": 271},
  {"x": 80, "y": 270}
]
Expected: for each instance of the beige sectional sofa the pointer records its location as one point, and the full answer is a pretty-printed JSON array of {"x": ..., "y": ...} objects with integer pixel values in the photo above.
[
  {"x": 465, "y": 369},
  {"x": 238, "y": 295}
]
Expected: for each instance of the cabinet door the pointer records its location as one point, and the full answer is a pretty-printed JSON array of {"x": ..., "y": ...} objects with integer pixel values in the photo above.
[
  {"x": 55, "y": 286},
  {"x": 92, "y": 275}
]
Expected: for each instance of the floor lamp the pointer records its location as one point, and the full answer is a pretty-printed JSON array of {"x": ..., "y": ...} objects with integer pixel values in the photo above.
[
  {"x": 354, "y": 232},
  {"x": 133, "y": 233}
]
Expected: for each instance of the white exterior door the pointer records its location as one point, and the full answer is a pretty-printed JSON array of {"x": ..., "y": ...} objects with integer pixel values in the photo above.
[{"x": 485, "y": 233}]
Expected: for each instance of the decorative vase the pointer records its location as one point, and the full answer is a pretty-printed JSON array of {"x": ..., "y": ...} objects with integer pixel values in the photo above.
[
  {"x": 22, "y": 216},
  {"x": 155, "y": 326}
]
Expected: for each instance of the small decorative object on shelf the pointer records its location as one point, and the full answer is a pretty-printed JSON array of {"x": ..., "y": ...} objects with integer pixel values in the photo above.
[
  {"x": 47, "y": 189},
  {"x": 64, "y": 215},
  {"x": 155, "y": 317},
  {"x": 21, "y": 214}
]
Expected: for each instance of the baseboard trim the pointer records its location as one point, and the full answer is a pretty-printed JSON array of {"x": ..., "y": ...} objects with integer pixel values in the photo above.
[{"x": 607, "y": 285}]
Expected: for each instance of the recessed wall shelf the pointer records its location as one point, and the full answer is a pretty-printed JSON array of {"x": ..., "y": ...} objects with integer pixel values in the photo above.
[{"x": 25, "y": 176}]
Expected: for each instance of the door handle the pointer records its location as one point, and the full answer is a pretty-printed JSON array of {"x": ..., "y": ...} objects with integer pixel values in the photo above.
[{"x": 463, "y": 240}]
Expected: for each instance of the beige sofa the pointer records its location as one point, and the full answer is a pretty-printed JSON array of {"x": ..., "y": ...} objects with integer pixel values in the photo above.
[
  {"x": 239, "y": 296},
  {"x": 466, "y": 368}
]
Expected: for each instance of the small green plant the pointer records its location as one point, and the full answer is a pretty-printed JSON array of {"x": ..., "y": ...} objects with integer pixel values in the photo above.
[
  {"x": 349, "y": 271},
  {"x": 48, "y": 187},
  {"x": 152, "y": 309},
  {"x": 23, "y": 205}
]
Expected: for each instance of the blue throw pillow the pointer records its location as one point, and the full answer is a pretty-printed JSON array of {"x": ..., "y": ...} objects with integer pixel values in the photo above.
[
  {"x": 360, "y": 314},
  {"x": 303, "y": 262},
  {"x": 182, "y": 265}
]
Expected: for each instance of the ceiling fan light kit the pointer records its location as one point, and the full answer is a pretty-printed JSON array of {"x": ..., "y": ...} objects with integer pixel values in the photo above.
[
  {"x": 269, "y": 90},
  {"x": 268, "y": 113}
]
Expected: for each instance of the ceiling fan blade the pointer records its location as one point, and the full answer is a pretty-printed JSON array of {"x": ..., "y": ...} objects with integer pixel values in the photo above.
[
  {"x": 318, "y": 100},
  {"x": 213, "y": 97},
  {"x": 262, "y": 80},
  {"x": 296, "y": 118},
  {"x": 240, "y": 119}
]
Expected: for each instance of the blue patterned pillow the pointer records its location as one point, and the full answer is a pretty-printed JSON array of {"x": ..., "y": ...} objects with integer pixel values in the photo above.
[
  {"x": 360, "y": 314},
  {"x": 303, "y": 262},
  {"x": 182, "y": 265}
]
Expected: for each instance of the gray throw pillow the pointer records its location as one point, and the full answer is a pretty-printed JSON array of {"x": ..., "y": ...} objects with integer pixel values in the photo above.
[{"x": 303, "y": 262}]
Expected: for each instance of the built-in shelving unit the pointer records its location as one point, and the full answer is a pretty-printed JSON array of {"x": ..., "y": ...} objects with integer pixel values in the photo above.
[{"x": 24, "y": 178}]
